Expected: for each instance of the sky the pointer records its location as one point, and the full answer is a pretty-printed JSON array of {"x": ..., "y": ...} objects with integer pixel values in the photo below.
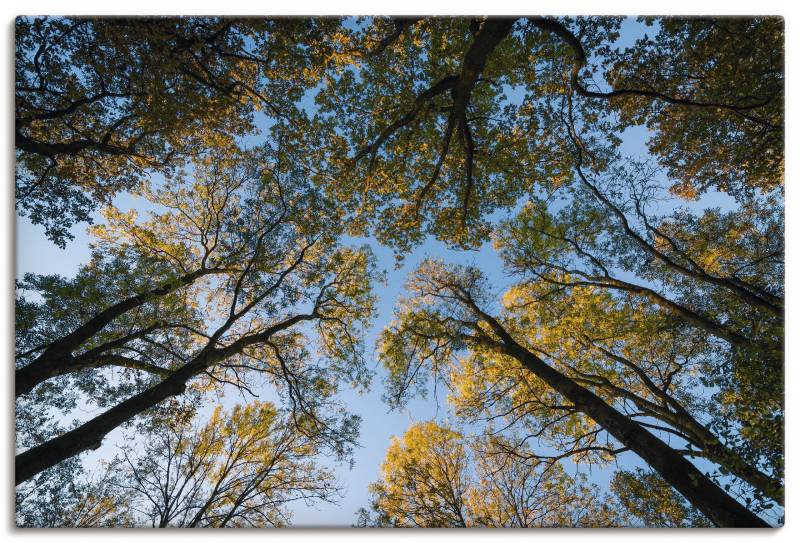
[{"x": 36, "y": 254}]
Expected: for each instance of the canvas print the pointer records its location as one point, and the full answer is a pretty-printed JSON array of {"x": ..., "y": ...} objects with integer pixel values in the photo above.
[{"x": 385, "y": 272}]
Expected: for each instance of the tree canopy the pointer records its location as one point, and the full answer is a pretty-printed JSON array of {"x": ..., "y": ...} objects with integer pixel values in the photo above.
[
  {"x": 239, "y": 470},
  {"x": 104, "y": 103},
  {"x": 433, "y": 477},
  {"x": 631, "y": 184},
  {"x": 247, "y": 264},
  {"x": 448, "y": 120}
]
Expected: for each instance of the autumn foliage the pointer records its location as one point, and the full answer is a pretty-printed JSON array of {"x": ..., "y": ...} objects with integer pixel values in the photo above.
[{"x": 628, "y": 175}]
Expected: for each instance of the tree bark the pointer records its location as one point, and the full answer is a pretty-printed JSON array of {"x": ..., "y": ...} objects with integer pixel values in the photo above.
[
  {"x": 90, "y": 434},
  {"x": 700, "y": 491},
  {"x": 56, "y": 358},
  {"x": 675, "y": 414}
]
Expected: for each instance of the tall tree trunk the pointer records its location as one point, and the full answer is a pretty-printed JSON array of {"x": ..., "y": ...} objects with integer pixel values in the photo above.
[
  {"x": 90, "y": 434},
  {"x": 675, "y": 414},
  {"x": 56, "y": 358},
  {"x": 698, "y": 489}
]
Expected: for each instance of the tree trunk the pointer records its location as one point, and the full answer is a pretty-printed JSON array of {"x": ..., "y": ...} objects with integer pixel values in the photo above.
[
  {"x": 90, "y": 434},
  {"x": 56, "y": 358},
  {"x": 700, "y": 491}
]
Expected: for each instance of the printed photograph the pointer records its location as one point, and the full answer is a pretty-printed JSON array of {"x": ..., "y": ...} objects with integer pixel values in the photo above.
[{"x": 396, "y": 272}]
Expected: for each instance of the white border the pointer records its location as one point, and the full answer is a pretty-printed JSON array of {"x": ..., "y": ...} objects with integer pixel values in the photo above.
[{"x": 449, "y": 7}]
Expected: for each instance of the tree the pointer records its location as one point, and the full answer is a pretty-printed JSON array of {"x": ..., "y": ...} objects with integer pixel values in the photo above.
[
  {"x": 506, "y": 109},
  {"x": 447, "y": 315},
  {"x": 103, "y": 103},
  {"x": 424, "y": 479},
  {"x": 645, "y": 495},
  {"x": 647, "y": 366},
  {"x": 277, "y": 272},
  {"x": 65, "y": 497},
  {"x": 525, "y": 494},
  {"x": 727, "y": 132},
  {"x": 459, "y": 118},
  {"x": 719, "y": 274},
  {"x": 435, "y": 477},
  {"x": 240, "y": 469},
  {"x": 647, "y": 314}
]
